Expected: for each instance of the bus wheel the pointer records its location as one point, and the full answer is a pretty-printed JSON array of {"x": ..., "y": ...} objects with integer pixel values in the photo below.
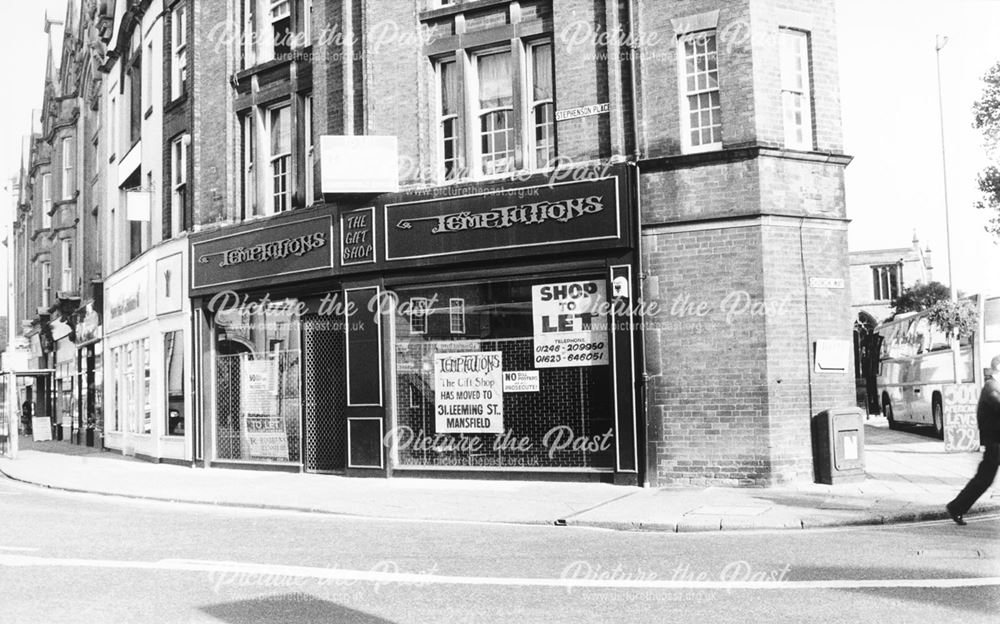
[
  {"x": 938, "y": 412},
  {"x": 887, "y": 412}
]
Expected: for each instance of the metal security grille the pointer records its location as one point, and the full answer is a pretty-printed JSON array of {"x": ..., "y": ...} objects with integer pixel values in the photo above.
[
  {"x": 572, "y": 402},
  {"x": 325, "y": 394},
  {"x": 279, "y": 401}
]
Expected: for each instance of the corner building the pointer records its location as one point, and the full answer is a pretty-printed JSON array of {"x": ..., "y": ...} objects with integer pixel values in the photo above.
[{"x": 454, "y": 236}]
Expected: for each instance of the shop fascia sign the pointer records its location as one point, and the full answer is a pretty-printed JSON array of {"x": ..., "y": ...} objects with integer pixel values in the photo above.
[
  {"x": 127, "y": 301},
  {"x": 287, "y": 248},
  {"x": 509, "y": 216},
  {"x": 538, "y": 216}
]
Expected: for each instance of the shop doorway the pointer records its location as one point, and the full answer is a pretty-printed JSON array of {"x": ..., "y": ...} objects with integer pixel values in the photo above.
[{"x": 324, "y": 394}]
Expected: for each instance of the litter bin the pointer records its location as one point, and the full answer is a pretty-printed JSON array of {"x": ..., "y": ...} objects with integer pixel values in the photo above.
[
  {"x": 59, "y": 431},
  {"x": 838, "y": 437}
]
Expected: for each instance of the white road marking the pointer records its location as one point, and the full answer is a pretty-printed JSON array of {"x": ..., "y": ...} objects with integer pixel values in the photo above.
[{"x": 220, "y": 568}]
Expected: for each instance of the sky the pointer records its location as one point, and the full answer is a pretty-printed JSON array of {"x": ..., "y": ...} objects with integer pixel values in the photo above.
[{"x": 889, "y": 98}]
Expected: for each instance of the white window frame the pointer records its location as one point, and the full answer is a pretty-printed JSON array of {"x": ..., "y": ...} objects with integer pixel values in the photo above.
[
  {"x": 274, "y": 159},
  {"x": 532, "y": 107},
  {"x": 46, "y": 201},
  {"x": 178, "y": 181},
  {"x": 456, "y": 316},
  {"x": 179, "y": 51},
  {"x": 68, "y": 166},
  {"x": 455, "y": 117},
  {"x": 419, "y": 314},
  {"x": 66, "y": 262},
  {"x": 882, "y": 282},
  {"x": 310, "y": 150},
  {"x": 251, "y": 200},
  {"x": 46, "y": 278},
  {"x": 688, "y": 146},
  {"x": 479, "y": 113},
  {"x": 796, "y": 90}
]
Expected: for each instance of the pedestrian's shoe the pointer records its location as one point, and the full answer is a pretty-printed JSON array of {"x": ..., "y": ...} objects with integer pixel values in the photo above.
[{"x": 959, "y": 520}]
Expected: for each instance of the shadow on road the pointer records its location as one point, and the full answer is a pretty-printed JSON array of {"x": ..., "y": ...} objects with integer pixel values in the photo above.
[{"x": 291, "y": 608}]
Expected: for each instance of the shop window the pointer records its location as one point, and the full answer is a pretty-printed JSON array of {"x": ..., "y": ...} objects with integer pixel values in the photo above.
[
  {"x": 258, "y": 385},
  {"x": 179, "y": 46},
  {"x": 533, "y": 366},
  {"x": 701, "y": 117},
  {"x": 173, "y": 372},
  {"x": 46, "y": 201},
  {"x": 116, "y": 397},
  {"x": 131, "y": 390},
  {"x": 796, "y": 99},
  {"x": 147, "y": 395},
  {"x": 886, "y": 280}
]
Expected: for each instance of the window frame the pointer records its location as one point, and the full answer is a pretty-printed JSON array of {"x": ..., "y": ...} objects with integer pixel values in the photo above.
[
  {"x": 68, "y": 167},
  {"x": 684, "y": 94},
  {"x": 46, "y": 191},
  {"x": 420, "y": 308},
  {"x": 478, "y": 114},
  {"x": 532, "y": 106},
  {"x": 455, "y": 118},
  {"x": 179, "y": 156},
  {"x": 66, "y": 265},
  {"x": 179, "y": 51},
  {"x": 284, "y": 157},
  {"x": 46, "y": 279},
  {"x": 886, "y": 278},
  {"x": 309, "y": 150},
  {"x": 800, "y": 90}
]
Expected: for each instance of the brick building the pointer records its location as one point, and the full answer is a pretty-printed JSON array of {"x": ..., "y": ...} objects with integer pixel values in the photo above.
[{"x": 575, "y": 239}]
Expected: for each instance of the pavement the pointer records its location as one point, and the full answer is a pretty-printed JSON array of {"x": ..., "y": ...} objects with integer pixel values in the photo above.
[{"x": 909, "y": 478}]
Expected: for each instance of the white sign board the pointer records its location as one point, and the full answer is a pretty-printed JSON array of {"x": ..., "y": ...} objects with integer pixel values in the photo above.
[
  {"x": 468, "y": 392},
  {"x": 258, "y": 390},
  {"x": 582, "y": 111},
  {"x": 41, "y": 429},
  {"x": 359, "y": 164},
  {"x": 570, "y": 324},
  {"x": 266, "y": 437},
  {"x": 521, "y": 381}
]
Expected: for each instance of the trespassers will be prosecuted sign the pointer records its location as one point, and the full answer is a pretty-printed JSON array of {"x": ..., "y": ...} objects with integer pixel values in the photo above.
[{"x": 570, "y": 324}]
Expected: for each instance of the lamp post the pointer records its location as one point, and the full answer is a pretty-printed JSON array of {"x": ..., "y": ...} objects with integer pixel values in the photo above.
[{"x": 939, "y": 43}]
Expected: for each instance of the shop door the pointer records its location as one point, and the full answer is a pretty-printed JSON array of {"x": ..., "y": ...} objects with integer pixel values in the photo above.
[{"x": 325, "y": 394}]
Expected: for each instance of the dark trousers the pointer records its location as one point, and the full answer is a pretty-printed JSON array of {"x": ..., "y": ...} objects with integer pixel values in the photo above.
[{"x": 980, "y": 482}]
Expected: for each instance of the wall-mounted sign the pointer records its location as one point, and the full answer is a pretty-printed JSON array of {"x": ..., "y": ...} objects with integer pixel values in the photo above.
[
  {"x": 357, "y": 237},
  {"x": 170, "y": 284},
  {"x": 582, "y": 111},
  {"x": 468, "y": 392},
  {"x": 127, "y": 301},
  {"x": 570, "y": 324},
  {"x": 271, "y": 251},
  {"x": 359, "y": 164},
  {"x": 961, "y": 429},
  {"x": 826, "y": 282},
  {"x": 566, "y": 212},
  {"x": 521, "y": 381}
]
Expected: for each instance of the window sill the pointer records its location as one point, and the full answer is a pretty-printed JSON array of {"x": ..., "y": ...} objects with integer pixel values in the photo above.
[
  {"x": 461, "y": 6},
  {"x": 175, "y": 103},
  {"x": 149, "y": 111}
]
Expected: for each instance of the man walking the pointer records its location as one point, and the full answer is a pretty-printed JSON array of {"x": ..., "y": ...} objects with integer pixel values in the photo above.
[{"x": 988, "y": 417}]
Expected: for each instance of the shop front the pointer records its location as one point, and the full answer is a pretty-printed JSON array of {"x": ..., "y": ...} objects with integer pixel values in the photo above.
[
  {"x": 471, "y": 334},
  {"x": 147, "y": 405}
]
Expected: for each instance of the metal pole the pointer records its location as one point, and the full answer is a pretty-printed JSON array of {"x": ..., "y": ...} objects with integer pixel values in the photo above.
[{"x": 939, "y": 43}]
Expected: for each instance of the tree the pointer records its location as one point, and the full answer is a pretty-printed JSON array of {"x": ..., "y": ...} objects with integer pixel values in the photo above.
[
  {"x": 986, "y": 114},
  {"x": 919, "y": 297}
]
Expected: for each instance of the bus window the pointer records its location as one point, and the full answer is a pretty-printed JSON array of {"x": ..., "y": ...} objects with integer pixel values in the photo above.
[
  {"x": 922, "y": 335},
  {"x": 991, "y": 320},
  {"x": 938, "y": 339}
]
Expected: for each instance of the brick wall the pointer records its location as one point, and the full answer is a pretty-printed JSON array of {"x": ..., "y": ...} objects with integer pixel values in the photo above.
[{"x": 213, "y": 127}]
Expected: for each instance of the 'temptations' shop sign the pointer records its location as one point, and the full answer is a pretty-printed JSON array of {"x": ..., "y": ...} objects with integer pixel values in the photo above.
[
  {"x": 280, "y": 249},
  {"x": 567, "y": 212}
]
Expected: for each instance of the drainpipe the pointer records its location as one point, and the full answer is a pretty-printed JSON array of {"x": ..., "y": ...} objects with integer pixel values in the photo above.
[{"x": 634, "y": 160}]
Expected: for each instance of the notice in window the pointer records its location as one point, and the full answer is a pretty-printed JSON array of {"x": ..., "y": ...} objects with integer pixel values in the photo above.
[
  {"x": 266, "y": 437},
  {"x": 258, "y": 390},
  {"x": 468, "y": 392},
  {"x": 570, "y": 324}
]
